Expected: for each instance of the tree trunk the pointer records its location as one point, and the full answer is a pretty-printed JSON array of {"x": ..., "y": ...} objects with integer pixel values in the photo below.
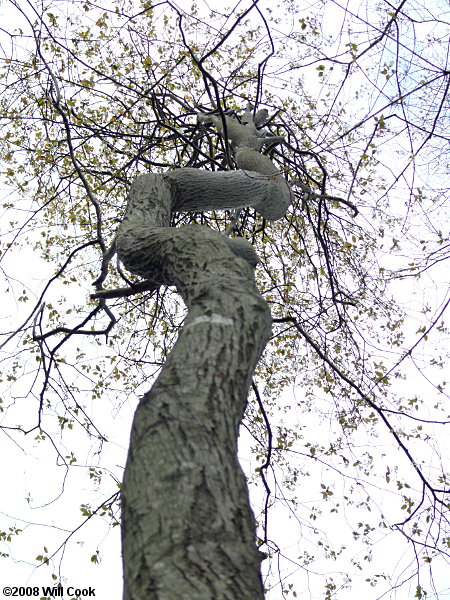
[{"x": 188, "y": 532}]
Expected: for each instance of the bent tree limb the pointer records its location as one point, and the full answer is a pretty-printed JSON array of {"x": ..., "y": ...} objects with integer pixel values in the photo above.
[{"x": 188, "y": 531}]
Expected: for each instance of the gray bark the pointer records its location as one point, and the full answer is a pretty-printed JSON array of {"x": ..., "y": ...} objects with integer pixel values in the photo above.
[
  {"x": 266, "y": 191},
  {"x": 187, "y": 527},
  {"x": 247, "y": 141},
  {"x": 188, "y": 532}
]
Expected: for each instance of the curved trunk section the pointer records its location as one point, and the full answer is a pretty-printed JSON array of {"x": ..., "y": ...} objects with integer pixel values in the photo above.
[{"x": 188, "y": 531}]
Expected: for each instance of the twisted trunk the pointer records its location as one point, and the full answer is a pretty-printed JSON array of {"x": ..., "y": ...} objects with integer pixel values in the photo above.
[{"x": 188, "y": 530}]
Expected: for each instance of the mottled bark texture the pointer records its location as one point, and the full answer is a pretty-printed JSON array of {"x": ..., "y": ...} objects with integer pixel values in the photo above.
[
  {"x": 188, "y": 532},
  {"x": 247, "y": 139}
]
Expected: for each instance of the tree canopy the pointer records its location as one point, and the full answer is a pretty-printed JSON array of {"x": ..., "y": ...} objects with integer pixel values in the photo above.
[{"x": 348, "y": 415}]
